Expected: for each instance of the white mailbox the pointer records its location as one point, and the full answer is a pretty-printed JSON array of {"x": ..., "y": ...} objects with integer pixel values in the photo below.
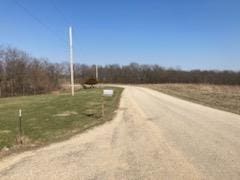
[{"x": 108, "y": 92}]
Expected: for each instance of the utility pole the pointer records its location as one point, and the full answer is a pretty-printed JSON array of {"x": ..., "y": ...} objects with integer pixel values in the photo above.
[
  {"x": 71, "y": 59},
  {"x": 96, "y": 72}
]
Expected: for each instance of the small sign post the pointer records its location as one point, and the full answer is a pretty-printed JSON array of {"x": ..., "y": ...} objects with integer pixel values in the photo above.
[
  {"x": 103, "y": 107},
  {"x": 108, "y": 92},
  {"x": 20, "y": 125}
]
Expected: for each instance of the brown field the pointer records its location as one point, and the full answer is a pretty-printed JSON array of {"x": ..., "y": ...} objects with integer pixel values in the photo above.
[{"x": 217, "y": 96}]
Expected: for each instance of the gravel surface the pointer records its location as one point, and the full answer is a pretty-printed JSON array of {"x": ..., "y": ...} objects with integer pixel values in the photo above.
[{"x": 153, "y": 136}]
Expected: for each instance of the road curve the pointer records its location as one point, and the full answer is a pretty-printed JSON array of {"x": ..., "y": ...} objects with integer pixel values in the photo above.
[{"x": 153, "y": 136}]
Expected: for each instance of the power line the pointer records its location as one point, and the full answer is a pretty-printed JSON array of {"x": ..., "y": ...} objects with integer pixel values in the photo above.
[
  {"x": 61, "y": 13},
  {"x": 47, "y": 27},
  {"x": 65, "y": 19}
]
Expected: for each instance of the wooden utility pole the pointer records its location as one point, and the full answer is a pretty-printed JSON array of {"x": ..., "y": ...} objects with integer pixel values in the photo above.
[
  {"x": 96, "y": 72},
  {"x": 71, "y": 60}
]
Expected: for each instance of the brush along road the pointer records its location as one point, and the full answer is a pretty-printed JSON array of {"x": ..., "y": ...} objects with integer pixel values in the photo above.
[{"x": 153, "y": 136}]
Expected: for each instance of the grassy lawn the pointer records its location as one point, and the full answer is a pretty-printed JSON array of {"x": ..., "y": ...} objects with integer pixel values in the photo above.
[
  {"x": 217, "y": 96},
  {"x": 49, "y": 118}
]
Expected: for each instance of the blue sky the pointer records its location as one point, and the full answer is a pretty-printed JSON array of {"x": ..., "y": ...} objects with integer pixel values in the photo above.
[{"x": 190, "y": 34}]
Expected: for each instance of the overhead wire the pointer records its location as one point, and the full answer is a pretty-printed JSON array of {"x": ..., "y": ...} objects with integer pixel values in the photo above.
[
  {"x": 37, "y": 19},
  {"x": 66, "y": 20}
]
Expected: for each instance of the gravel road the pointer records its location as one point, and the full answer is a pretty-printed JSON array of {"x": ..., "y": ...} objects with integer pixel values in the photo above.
[{"x": 153, "y": 136}]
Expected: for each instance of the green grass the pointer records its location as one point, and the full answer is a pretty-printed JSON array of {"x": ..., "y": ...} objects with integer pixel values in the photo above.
[
  {"x": 221, "y": 97},
  {"x": 49, "y": 118}
]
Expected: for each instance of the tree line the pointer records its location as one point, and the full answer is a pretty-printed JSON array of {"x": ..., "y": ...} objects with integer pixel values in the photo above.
[
  {"x": 136, "y": 74},
  {"x": 22, "y": 74}
]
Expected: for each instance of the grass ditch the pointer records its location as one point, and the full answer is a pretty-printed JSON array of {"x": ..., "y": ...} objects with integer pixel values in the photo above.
[
  {"x": 52, "y": 117},
  {"x": 221, "y": 97}
]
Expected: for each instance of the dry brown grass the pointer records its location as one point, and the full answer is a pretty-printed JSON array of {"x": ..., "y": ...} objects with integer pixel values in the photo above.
[{"x": 218, "y": 96}]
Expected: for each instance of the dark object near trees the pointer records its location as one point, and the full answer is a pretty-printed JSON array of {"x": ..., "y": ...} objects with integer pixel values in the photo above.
[{"x": 91, "y": 81}]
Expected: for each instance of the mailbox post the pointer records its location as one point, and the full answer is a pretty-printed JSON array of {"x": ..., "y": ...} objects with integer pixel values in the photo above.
[{"x": 106, "y": 93}]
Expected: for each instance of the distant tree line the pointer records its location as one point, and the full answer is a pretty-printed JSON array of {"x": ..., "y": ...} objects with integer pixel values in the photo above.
[
  {"x": 135, "y": 73},
  {"x": 22, "y": 74}
]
